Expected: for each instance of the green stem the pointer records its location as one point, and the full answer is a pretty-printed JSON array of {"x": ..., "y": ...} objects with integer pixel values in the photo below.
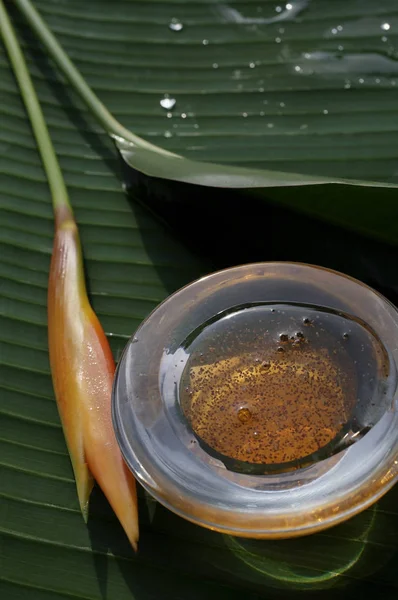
[
  {"x": 100, "y": 112},
  {"x": 56, "y": 181}
]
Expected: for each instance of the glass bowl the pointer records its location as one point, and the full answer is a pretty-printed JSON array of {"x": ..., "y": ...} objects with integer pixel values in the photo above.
[{"x": 261, "y": 312}]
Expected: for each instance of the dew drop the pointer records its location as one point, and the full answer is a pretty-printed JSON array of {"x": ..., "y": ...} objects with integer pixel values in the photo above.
[
  {"x": 307, "y": 321},
  {"x": 205, "y": 42},
  {"x": 175, "y": 25},
  {"x": 168, "y": 103},
  {"x": 169, "y": 115},
  {"x": 280, "y": 349},
  {"x": 270, "y": 125},
  {"x": 183, "y": 116},
  {"x": 345, "y": 336},
  {"x": 168, "y": 134},
  {"x": 215, "y": 65},
  {"x": 244, "y": 115},
  {"x": 252, "y": 65},
  {"x": 284, "y": 337},
  {"x": 278, "y": 40},
  {"x": 278, "y": 9},
  {"x": 325, "y": 112},
  {"x": 385, "y": 26},
  {"x": 244, "y": 415}
]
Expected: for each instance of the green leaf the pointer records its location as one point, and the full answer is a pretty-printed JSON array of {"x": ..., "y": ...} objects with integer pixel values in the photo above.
[
  {"x": 269, "y": 96},
  {"x": 133, "y": 262}
]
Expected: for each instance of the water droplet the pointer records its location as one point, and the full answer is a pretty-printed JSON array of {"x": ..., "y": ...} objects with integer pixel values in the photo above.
[
  {"x": 289, "y": 6},
  {"x": 282, "y": 104},
  {"x": 361, "y": 80},
  {"x": 205, "y": 42},
  {"x": 339, "y": 28},
  {"x": 334, "y": 30},
  {"x": 183, "y": 116},
  {"x": 307, "y": 321},
  {"x": 256, "y": 434},
  {"x": 284, "y": 337},
  {"x": 252, "y": 65},
  {"x": 244, "y": 415},
  {"x": 265, "y": 365},
  {"x": 297, "y": 68},
  {"x": 270, "y": 125},
  {"x": 168, "y": 134},
  {"x": 278, "y": 40},
  {"x": 325, "y": 111},
  {"x": 169, "y": 115},
  {"x": 262, "y": 113},
  {"x": 340, "y": 48},
  {"x": 278, "y": 9},
  {"x": 280, "y": 349},
  {"x": 215, "y": 65},
  {"x": 384, "y": 39},
  {"x": 244, "y": 114},
  {"x": 175, "y": 25},
  {"x": 346, "y": 336},
  {"x": 168, "y": 103},
  {"x": 300, "y": 335},
  {"x": 281, "y": 30},
  {"x": 261, "y": 89},
  {"x": 377, "y": 80},
  {"x": 347, "y": 85},
  {"x": 304, "y": 126},
  {"x": 385, "y": 26}
]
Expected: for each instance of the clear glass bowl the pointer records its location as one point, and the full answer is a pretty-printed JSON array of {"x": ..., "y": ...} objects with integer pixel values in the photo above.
[{"x": 168, "y": 458}]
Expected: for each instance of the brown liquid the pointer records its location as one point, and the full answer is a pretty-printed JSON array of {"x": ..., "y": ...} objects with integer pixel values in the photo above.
[{"x": 274, "y": 386}]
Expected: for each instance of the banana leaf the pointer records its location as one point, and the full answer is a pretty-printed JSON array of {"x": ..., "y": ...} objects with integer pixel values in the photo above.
[{"x": 132, "y": 57}]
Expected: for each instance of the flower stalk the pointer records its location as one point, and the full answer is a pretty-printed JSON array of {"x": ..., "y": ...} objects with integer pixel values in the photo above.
[{"x": 81, "y": 360}]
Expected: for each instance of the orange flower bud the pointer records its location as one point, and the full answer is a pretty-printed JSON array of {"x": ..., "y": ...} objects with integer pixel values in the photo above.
[{"x": 82, "y": 369}]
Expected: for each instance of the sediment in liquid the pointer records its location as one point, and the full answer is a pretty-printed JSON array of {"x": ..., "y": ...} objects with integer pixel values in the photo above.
[{"x": 273, "y": 385}]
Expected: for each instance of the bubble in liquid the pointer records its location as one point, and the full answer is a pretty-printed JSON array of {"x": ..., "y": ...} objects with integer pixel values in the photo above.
[{"x": 244, "y": 415}]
